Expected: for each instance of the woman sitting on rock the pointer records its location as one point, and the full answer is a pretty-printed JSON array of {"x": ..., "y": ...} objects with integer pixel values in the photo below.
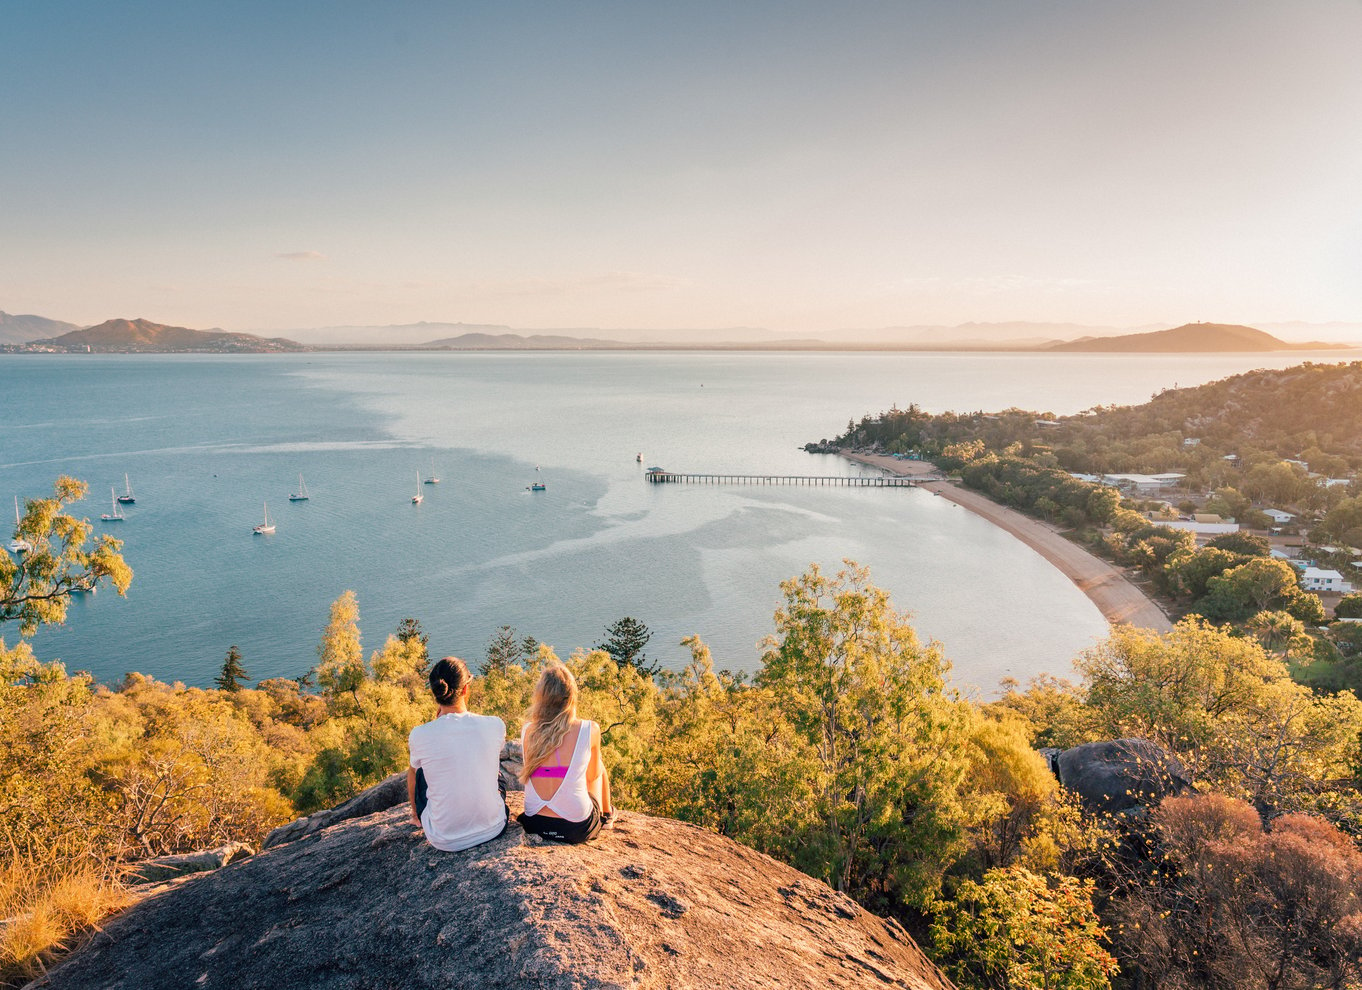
[
  {"x": 454, "y": 780},
  {"x": 567, "y": 788}
]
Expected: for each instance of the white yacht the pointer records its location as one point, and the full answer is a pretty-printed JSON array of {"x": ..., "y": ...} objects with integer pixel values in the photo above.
[
  {"x": 116, "y": 515},
  {"x": 266, "y": 527},
  {"x": 18, "y": 544}
]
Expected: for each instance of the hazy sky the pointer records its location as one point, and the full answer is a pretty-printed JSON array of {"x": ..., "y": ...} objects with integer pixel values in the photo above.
[{"x": 801, "y": 166}]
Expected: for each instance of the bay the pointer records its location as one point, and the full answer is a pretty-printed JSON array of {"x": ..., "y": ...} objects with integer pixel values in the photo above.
[{"x": 207, "y": 439}]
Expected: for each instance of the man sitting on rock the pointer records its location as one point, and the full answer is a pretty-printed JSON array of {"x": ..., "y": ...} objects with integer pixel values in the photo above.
[{"x": 454, "y": 778}]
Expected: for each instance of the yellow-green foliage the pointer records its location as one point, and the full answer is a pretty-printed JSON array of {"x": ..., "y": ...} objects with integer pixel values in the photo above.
[
  {"x": 35, "y": 588},
  {"x": 1018, "y": 930},
  {"x": 848, "y": 756},
  {"x": 1231, "y": 712}
]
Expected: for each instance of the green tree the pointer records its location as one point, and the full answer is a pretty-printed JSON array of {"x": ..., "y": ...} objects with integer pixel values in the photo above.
[
  {"x": 1231, "y": 713},
  {"x": 889, "y": 740},
  {"x": 1349, "y": 606},
  {"x": 1188, "y": 573},
  {"x": 1017, "y": 930},
  {"x": 625, "y": 641},
  {"x": 36, "y": 588},
  {"x": 340, "y": 656},
  {"x": 1280, "y": 633},
  {"x": 401, "y": 661},
  {"x": 505, "y": 650},
  {"x": 1245, "y": 544},
  {"x": 1259, "y": 585},
  {"x": 409, "y": 631},
  {"x": 232, "y": 674},
  {"x": 1102, "y": 503},
  {"x": 728, "y": 758}
]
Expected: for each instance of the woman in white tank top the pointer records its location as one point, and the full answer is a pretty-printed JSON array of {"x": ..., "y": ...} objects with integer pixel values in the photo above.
[{"x": 567, "y": 788}]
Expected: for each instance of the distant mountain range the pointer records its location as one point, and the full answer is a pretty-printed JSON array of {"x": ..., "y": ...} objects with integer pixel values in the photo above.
[
  {"x": 1190, "y": 338},
  {"x": 515, "y": 342},
  {"x": 439, "y": 334},
  {"x": 22, "y": 329},
  {"x": 125, "y": 336},
  {"x": 41, "y": 333}
]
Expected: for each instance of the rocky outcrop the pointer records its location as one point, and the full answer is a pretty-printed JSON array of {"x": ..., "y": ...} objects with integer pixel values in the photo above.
[
  {"x": 169, "y": 867},
  {"x": 390, "y": 793},
  {"x": 1121, "y": 775},
  {"x": 367, "y": 903}
]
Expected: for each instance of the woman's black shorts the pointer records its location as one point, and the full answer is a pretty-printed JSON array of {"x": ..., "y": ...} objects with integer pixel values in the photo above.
[{"x": 560, "y": 829}]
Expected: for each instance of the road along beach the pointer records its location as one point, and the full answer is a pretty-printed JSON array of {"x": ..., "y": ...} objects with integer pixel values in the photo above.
[{"x": 1115, "y": 596}]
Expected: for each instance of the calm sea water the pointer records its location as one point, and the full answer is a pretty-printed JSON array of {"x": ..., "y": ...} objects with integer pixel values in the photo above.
[{"x": 207, "y": 440}]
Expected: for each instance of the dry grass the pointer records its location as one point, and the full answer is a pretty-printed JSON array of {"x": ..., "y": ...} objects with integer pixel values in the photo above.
[{"x": 43, "y": 914}]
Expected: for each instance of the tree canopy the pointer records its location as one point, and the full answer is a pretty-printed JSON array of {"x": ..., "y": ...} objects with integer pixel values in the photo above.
[{"x": 36, "y": 588}]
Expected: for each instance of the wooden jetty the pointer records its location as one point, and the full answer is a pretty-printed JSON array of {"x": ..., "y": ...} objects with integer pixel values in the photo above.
[{"x": 660, "y": 476}]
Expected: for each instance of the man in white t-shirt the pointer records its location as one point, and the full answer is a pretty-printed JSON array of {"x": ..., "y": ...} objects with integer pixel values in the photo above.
[{"x": 454, "y": 776}]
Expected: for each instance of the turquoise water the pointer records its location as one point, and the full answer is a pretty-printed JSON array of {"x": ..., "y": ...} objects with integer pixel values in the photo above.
[{"x": 206, "y": 440}]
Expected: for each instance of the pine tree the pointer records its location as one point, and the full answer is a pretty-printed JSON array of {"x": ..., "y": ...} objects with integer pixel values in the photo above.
[
  {"x": 625, "y": 641},
  {"x": 232, "y": 672},
  {"x": 502, "y": 651},
  {"x": 409, "y": 631}
]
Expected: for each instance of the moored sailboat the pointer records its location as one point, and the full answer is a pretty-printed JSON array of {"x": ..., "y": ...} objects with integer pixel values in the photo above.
[
  {"x": 266, "y": 527},
  {"x": 418, "y": 498},
  {"x": 127, "y": 497},
  {"x": 434, "y": 478},
  {"x": 115, "y": 515},
  {"x": 18, "y": 544},
  {"x": 301, "y": 494}
]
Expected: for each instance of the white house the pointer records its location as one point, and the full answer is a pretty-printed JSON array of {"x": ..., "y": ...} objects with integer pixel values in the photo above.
[
  {"x": 1318, "y": 579},
  {"x": 1279, "y": 516}
]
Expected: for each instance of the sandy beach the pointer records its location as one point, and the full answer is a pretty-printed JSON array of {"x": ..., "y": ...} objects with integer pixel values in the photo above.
[{"x": 1115, "y": 597}]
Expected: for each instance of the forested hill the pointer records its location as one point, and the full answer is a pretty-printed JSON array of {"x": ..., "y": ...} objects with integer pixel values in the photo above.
[
  {"x": 1286, "y": 412},
  {"x": 1311, "y": 411},
  {"x": 1191, "y": 338}
]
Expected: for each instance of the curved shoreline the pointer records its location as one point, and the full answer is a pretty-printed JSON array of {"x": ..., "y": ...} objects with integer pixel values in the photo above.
[{"x": 1119, "y": 600}]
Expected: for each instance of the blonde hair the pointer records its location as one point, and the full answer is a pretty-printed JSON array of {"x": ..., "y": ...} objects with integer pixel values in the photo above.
[{"x": 553, "y": 706}]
